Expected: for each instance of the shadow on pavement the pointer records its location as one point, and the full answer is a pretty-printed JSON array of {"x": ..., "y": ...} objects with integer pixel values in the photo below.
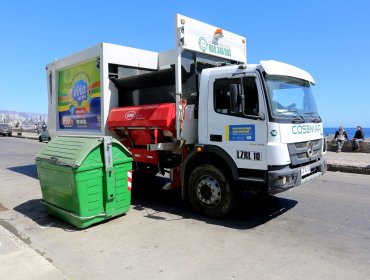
[
  {"x": 28, "y": 170},
  {"x": 35, "y": 210},
  {"x": 251, "y": 213}
]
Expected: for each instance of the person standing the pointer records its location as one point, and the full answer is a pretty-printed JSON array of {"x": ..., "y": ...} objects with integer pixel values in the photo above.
[
  {"x": 340, "y": 137},
  {"x": 44, "y": 127},
  {"x": 359, "y": 137}
]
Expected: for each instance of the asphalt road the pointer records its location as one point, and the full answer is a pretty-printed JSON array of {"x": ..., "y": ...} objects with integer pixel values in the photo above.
[{"x": 320, "y": 230}]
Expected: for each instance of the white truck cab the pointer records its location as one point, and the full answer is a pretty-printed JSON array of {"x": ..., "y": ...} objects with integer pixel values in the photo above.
[{"x": 264, "y": 119}]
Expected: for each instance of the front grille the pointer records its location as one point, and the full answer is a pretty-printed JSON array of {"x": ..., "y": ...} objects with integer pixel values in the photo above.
[
  {"x": 304, "y": 155},
  {"x": 301, "y": 145},
  {"x": 300, "y": 155}
]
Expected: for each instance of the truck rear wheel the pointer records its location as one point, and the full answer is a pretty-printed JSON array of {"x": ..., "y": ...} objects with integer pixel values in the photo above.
[{"x": 210, "y": 192}]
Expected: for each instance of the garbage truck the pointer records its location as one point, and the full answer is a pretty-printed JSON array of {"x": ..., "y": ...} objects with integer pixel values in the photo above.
[{"x": 216, "y": 124}]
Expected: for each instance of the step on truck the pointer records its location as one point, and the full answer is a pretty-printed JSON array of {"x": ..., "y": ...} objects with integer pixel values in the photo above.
[{"x": 218, "y": 125}]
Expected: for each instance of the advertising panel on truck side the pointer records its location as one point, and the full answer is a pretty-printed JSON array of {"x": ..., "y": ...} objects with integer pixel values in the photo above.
[{"x": 79, "y": 97}]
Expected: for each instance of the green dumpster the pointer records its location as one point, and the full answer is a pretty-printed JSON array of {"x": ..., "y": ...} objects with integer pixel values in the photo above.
[{"x": 85, "y": 180}]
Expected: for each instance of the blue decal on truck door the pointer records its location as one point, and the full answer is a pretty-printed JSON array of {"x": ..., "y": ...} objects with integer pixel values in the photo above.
[{"x": 242, "y": 132}]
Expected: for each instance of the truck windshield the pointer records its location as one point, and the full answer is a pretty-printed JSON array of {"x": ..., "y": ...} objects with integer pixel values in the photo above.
[{"x": 291, "y": 99}]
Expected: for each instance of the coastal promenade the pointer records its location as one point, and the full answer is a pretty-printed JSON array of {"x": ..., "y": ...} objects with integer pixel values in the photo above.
[{"x": 352, "y": 162}]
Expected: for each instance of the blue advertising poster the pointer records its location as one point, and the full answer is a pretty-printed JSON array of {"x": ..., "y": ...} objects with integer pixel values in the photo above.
[{"x": 242, "y": 132}]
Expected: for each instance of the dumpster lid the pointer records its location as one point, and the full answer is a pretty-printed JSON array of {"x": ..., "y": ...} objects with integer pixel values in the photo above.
[{"x": 70, "y": 150}]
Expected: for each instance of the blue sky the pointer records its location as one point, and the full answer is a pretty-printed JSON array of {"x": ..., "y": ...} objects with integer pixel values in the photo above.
[{"x": 329, "y": 39}]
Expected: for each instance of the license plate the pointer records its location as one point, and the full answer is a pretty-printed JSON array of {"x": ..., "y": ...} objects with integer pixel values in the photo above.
[{"x": 305, "y": 170}]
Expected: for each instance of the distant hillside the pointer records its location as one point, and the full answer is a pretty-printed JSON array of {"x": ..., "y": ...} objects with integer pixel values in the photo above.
[
  {"x": 26, "y": 115},
  {"x": 9, "y": 112}
]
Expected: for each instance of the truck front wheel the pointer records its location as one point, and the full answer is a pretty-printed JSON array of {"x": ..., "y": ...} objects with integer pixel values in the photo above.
[{"x": 210, "y": 192}]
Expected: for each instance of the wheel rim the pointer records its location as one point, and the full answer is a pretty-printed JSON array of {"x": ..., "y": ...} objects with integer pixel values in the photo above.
[{"x": 208, "y": 191}]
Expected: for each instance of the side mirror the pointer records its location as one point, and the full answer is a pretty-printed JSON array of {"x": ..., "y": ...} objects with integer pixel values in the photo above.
[{"x": 236, "y": 98}]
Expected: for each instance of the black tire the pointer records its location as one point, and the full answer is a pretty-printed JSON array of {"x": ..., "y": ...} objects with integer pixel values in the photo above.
[
  {"x": 210, "y": 192},
  {"x": 49, "y": 139},
  {"x": 40, "y": 139}
]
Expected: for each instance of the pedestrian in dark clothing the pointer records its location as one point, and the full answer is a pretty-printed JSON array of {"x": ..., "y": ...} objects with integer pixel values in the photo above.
[
  {"x": 359, "y": 137},
  {"x": 340, "y": 137},
  {"x": 44, "y": 127}
]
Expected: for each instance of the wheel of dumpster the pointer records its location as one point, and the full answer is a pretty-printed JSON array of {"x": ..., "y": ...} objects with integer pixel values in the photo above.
[{"x": 210, "y": 192}]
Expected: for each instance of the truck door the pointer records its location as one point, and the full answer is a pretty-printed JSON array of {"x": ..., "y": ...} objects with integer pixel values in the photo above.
[{"x": 240, "y": 130}]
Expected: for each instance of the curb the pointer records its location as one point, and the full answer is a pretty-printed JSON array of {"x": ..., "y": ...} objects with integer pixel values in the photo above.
[
  {"x": 25, "y": 137},
  {"x": 349, "y": 169}
]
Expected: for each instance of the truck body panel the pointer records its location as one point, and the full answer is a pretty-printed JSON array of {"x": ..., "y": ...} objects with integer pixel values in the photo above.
[{"x": 102, "y": 55}]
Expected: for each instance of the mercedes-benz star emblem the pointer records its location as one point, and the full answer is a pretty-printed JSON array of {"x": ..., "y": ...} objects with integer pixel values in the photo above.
[{"x": 309, "y": 149}]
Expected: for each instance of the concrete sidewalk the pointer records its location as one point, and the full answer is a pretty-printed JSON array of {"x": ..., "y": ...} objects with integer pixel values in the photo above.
[{"x": 19, "y": 261}]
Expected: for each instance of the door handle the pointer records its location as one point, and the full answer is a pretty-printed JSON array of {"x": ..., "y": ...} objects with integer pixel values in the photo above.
[{"x": 215, "y": 138}]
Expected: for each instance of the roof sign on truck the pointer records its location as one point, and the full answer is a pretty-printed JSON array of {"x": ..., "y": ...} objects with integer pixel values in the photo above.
[{"x": 201, "y": 37}]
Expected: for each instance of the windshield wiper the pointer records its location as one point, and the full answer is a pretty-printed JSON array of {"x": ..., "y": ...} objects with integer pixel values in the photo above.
[
  {"x": 317, "y": 118},
  {"x": 297, "y": 119}
]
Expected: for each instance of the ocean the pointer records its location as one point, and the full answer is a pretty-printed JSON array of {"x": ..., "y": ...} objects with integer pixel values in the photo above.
[{"x": 350, "y": 131}]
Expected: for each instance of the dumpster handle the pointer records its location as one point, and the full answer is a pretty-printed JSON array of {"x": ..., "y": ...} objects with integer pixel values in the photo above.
[{"x": 74, "y": 215}]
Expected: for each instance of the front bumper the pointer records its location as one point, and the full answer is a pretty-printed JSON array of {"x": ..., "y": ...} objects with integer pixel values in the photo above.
[{"x": 284, "y": 178}]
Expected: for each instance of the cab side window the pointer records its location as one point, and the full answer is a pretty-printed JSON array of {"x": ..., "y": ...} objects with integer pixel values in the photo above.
[
  {"x": 251, "y": 107},
  {"x": 222, "y": 96}
]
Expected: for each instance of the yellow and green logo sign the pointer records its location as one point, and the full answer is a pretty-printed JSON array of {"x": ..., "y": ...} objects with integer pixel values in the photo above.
[{"x": 210, "y": 47}]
